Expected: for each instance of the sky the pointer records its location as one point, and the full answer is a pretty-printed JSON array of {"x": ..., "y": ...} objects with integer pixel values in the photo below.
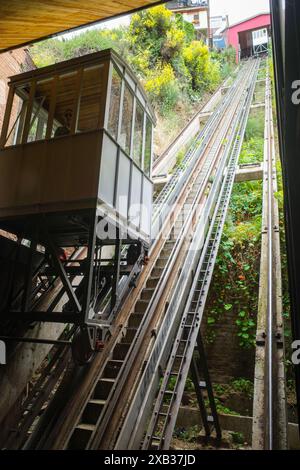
[{"x": 238, "y": 9}]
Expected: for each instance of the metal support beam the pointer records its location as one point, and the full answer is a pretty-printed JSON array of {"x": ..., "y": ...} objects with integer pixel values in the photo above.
[
  {"x": 61, "y": 270},
  {"x": 88, "y": 278},
  {"x": 28, "y": 278},
  {"x": 116, "y": 275},
  {"x": 208, "y": 386},
  {"x": 35, "y": 340},
  {"x": 46, "y": 317},
  {"x": 198, "y": 390}
]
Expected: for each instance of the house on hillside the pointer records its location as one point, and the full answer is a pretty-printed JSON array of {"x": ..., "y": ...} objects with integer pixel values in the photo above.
[
  {"x": 195, "y": 12},
  {"x": 250, "y": 36},
  {"x": 217, "y": 25}
]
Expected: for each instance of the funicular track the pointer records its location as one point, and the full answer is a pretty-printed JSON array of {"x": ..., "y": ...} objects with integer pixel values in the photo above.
[
  {"x": 100, "y": 385},
  {"x": 187, "y": 335},
  {"x": 270, "y": 422},
  {"x": 176, "y": 364}
]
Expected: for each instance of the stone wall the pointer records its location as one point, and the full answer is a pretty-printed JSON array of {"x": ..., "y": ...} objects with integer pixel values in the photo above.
[{"x": 226, "y": 358}]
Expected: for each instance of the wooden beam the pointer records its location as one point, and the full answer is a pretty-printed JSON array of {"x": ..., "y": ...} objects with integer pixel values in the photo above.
[
  {"x": 76, "y": 103},
  {"x": 52, "y": 107},
  {"x": 9, "y": 103},
  {"x": 29, "y": 112}
]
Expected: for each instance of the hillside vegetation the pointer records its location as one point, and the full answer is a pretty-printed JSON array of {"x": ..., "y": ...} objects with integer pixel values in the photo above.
[{"x": 176, "y": 69}]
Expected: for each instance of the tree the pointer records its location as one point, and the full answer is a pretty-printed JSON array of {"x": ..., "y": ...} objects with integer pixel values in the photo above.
[
  {"x": 205, "y": 73},
  {"x": 160, "y": 32},
  {"x": 160, "y": 47}
]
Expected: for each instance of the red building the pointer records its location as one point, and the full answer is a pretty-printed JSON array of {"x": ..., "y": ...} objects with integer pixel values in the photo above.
[{"x": 249, "y": 36}]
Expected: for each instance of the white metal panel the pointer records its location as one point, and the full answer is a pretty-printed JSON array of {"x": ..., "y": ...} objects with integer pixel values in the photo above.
[
  {"x": 146, "y": 211},
  {"x": 123, "y": 185},
  {"x": 135, "y": 199},
  {"x": 108, "y": 171}
]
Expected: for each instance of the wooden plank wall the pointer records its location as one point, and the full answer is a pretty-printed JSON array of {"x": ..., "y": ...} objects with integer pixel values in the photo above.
[{"x": 23, "y": 22}]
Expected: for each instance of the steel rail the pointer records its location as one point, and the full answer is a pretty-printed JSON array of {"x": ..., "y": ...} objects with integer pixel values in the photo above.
[
  {"x": 271, "y": 308},
  {"x": 128, "y": 433},
  {"x": 269, "y": 429}
]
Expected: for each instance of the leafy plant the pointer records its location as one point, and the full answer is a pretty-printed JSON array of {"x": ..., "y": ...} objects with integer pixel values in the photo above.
[
  {"x": 221, "y": 409},
  {"x": 244, "y": 386},
  {"x": 237, "y": 437},
  {"x": 246, "y": 327},
  {"x": 190, "y": 434},
  {"x": 175, "y": 68}
]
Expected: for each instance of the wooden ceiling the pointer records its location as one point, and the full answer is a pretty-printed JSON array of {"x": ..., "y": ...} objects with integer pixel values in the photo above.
[{"x": 26, "y": 21}]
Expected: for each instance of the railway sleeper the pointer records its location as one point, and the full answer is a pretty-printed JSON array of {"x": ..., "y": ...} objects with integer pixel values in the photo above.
[
  {"x": 157, "y": 272},
  {"x": 92, "y": 411},
  {"x": 169, "y": 243},
  {"x": 112, "y": 369},
  {"x": 161, "y": 262},
  {"x": 103, "y": 389},
  {"x": 129, "y": 335},
  {"x": 147, "y": 293},
  {"x": 81, "y": 436},
  {"x": 135, "y": 319},
  {"x": 141, "y": 306},
  {"x": 152, "y": 282},
  {"x": 120, "y": 351}
]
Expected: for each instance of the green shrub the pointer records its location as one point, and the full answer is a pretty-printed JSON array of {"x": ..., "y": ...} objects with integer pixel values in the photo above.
[
  {"x": 205, "y": 73},
  {"x": 161, "y": 48},
  {"x": 162, "y": 87},
  {"x": 237, "y": 438},
  {"x": 255, "y": 126}
]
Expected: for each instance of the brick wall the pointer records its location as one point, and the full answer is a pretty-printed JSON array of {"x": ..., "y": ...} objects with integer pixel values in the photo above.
[{"x": 12, "y": 63}]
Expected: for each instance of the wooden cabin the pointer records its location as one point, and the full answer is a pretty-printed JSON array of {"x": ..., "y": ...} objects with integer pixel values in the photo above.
[{"x": 78, "y": 135}]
